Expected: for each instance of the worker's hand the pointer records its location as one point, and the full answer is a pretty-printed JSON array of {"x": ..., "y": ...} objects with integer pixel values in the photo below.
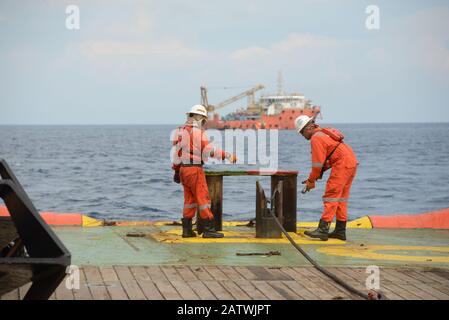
[
  {"x": 308, "y": 185},
  {"x": 231, "y": 157},
  {"x": 176, "y": 177}
]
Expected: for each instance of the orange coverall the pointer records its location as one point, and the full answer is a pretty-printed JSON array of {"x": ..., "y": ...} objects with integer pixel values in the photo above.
[
  {"x": 344, "y": 167},
  {"x": 193, "y": 147}
]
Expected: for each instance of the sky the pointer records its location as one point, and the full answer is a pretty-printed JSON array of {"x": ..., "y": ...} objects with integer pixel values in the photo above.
[{"x": 143, "y": 62}]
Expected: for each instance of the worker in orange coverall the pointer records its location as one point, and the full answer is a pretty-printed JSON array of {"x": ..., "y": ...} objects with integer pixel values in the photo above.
[
  {"x": 192, "y": 149},
  {"x": 329, "y": 151}
]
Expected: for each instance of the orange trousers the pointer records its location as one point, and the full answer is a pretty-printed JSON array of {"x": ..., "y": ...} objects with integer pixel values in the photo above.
[
  {"x": 336, "y": 195},
  {"x": 196, "y": 193}
]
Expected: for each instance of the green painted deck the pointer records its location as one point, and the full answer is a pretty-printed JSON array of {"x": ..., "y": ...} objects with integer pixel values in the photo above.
[
  {"x": 414, "y": 264},
  {"x": 100, "y": 246}
]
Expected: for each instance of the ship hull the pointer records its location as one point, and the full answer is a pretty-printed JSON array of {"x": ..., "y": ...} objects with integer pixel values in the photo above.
[{"x": 282, "y": 121}]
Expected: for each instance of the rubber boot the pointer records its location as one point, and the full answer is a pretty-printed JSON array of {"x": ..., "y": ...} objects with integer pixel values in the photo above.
[
  {"x": 187, "y": 231},
  {"x": 209, "y": 230},
  {"x": 322, "y": 232},
  {"x": 340, "y": 231}
]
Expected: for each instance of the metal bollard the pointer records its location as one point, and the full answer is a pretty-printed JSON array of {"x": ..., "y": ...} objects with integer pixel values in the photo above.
[{"x": 266, "y": 226}]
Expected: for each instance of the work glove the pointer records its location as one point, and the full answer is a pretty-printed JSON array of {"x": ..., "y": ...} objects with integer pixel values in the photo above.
[
  {"x": 176, "y": 177},
  {"x": 308, "y": 186},
  {"x": 231, "y": 157}
]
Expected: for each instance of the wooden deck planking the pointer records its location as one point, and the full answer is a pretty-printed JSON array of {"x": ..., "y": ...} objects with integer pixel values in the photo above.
[
  {"x": 241, "y": 283},
  {"x": 145, "y": 283},
  {"x": 129, "y": 284},
  {"x": 83, "y": 293},
  {"x": 95, "y": 283},
  {"x": 113, "y": 284}
]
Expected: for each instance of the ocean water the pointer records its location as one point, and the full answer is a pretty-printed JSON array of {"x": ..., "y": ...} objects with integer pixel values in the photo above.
[{"x": 124, "y": 172}]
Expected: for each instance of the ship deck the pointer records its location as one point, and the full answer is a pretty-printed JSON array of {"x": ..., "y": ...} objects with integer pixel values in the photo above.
[{"x": 152, "y": 261}]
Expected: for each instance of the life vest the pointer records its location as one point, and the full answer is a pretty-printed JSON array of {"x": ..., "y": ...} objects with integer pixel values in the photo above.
[{"x": 333, "y": 133}]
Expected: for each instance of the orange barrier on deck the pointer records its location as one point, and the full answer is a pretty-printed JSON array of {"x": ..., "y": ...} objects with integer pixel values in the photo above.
[
  {"x": 429, "y": 220},
  {"x": 60, "y": 219}
]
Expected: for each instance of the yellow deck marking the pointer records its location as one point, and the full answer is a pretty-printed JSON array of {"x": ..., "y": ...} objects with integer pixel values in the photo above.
[
  {"x": 360, "y": 223},
  {"x": 173, "y": 235},
  {"x": 91, "y": 222},
  {"x": 371, "y": 252}
]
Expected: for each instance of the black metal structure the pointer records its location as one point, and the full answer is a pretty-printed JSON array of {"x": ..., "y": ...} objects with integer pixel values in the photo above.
[
  {"x": 29, "y": 249},
  {"x": 266, "y": 226}
]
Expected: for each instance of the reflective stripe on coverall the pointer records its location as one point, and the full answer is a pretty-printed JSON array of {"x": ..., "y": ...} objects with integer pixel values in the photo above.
[
  {"x": 344, "y": 167},
  {"x": 195, "y": 149}
]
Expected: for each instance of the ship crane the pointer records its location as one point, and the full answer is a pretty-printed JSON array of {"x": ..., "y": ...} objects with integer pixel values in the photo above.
[{"x": 248, "y": 93}]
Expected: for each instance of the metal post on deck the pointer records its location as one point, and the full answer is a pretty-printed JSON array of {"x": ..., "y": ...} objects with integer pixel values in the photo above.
[
  {"x": 289, "y": 199},
  {"x": 266, "y": 226},
  {"x": 215, "y": 186}
]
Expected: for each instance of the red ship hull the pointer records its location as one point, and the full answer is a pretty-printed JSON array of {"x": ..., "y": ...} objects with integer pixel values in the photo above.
[{"x": 282, "y": 121}]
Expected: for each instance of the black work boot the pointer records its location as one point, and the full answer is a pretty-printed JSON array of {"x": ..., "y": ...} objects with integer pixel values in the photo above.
[
  {"x": 209, "y": 230},
  {"x": 322, "y": 232},
  {"x": 187, "y": 231},
  {"x": 340, "y": 231}
]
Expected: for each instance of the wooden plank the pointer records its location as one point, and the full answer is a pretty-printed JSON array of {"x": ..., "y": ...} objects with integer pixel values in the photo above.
[
  {"x": 201, "y": 273},
  {"x": 184, "y": 290},
  {"x": 113, "y": 284},
  {"x": 95, "y": 283},
  {"x": 162, "y": 283},
  {"x": 402, "y": 292},
  {"x": 422, "y": 294},
  {"x": 171, "y": 273},
  {"x": 321, "y": 287},
  {"x": 308, "y": 287},
  {"x": 277, "y": 274},
  {"x": 263, "y": 273},
  {"x": 235, "y": 290},
  {"x": 436, "y": 277},
  {"x": 420, "y": 277},
  {"x": 186, "y": 273},
  {"x": 231, "y": 273},
  {"x": 250, "y": 290},
  {"x": 145, "y": 283},
  {"x": 155, "y": 273},
  {"x": 300, "y": 290},
  {"x": 399, "y": 276},
  {"x": 83, "y": 293},
  {"x": 62, "y": 293},
  {"x": 283, "y": 290},
  {"x": 201, "y": 290},
  {"x": 129, "y": 284},
  {"x": 246, "y": 273},
  {"x": 216, "y": 273},
  {"x": 218, "y": 290},
  {"x": 329, "y": 285},
  {"x": 268, "y": 291}
]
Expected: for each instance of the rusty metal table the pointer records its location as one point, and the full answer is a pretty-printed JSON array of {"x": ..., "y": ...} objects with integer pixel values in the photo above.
[{"x": 289, "y": 178}]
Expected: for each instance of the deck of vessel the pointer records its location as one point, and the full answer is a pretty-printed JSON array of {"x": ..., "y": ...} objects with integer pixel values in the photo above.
[{"x": 414, "y": 264}]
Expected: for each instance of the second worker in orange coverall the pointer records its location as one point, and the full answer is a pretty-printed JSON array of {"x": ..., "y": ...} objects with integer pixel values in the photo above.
[
  {"x": 192, "y": 149},
  {"x": 329, "y": 151}
]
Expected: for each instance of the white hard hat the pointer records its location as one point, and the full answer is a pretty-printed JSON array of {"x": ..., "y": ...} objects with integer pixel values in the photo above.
[
  {"x": 198, "y": 109},
  {"x": 301, "y": 122}
]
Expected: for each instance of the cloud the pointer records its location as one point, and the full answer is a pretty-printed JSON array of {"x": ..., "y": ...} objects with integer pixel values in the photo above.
[
  {"x": 292, "y": 44},
  {"x": 250, "y": 52}
]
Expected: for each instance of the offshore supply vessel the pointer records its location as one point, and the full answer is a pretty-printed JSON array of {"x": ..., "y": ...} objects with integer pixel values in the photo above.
[{"x": 272, "y": 111}]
